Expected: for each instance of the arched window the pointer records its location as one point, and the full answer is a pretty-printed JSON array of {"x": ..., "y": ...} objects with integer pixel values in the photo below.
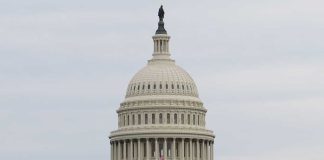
[
  {"x": 172, "y": 86},
  {"x": 154, "y": 87},
  {"x": 198, "y": 120},
  {"x": 188, "y": 118},
  {"x": 175, "y": 119},
  {"x": 143, "y": 87},
  {"x": 178, "y": 86},
  {"x": 128, "y": 120},
  {"x": 139, "y": 119},
  {"x": 133, "y": 119},
  {"x": 149, "y": 86},
  {"x": 146, "y": 119},
  {"x": 182, "y": 87},
  {"x": 194, "y": 120},
  {"x": 160, "y": 118},
  {"x": 168, "y": 118},
  {"x": 182, "y": 118},
  {"x": 166, "y": 86},
  {"x": 124, "y": 120},
  {"x": 153, "y": 118},
  {"x": 138, "y": 87},
  {"x": 160, "y": 86}
]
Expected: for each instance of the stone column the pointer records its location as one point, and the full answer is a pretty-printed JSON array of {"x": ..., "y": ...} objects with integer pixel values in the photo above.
[
  {"x": 159, "y": 45},
  {"x": 163, "y": 45},
  {"x": 111, "y": 150},
  {"x": 135, "y": 151},
  {"x": 139, "y": 149},
  {"x": 208, "y": 150},
  {"x": 124, "y": 150},
  {"x": 128, "y": 150},
  {"x": 212, "y": 150},
  {"x": 116, "y": 151},
  {"x": 165, "y": 149},
  {"x": 148, "y": 155},
  {"x": 167, "y": 46},
  {"x": 182, "y": 149},
  {"x": 191, "y": 150},
  {"x": 173, "y": 149},
  {"x": 131, "y": 150},
  {"x": 119, "y": 150},
  {"x": 156, "y": 149},
  {"x": 198, "y": 149},
  {"x": 203, "y": 151},
  {"x": 187, "y": 150},
  {"x": 155, "y": 46}
]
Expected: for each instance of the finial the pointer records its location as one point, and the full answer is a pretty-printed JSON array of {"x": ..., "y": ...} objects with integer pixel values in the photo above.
[{"x": 161, "y": 29}]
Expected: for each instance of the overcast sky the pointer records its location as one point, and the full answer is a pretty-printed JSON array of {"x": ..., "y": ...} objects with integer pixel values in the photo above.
[{"x": 65, "y": 66}]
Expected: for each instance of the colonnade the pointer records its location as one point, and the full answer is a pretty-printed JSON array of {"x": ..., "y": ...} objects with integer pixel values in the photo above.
[
  {"x": 161, "y": 45},
  {"x": 162, "y": 149}
]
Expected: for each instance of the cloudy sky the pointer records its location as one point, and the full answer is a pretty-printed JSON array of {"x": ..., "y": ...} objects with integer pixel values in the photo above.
[{"x": 65, "y": 66}]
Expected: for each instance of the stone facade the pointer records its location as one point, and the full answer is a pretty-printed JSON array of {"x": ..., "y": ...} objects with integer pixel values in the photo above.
[{"x": 162, "y": 116}]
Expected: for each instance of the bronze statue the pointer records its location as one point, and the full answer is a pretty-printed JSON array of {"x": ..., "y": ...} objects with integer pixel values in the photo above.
[
  {"x": 161, "y": 29},
  {"x": 161, "y": 13}
]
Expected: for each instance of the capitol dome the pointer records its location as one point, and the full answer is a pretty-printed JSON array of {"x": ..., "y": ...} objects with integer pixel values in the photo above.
[
  {"x": 162, "y": 78},
  {"x": 162, "y": 116}
]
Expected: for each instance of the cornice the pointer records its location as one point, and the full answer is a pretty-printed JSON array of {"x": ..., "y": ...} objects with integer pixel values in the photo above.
[
  {"x": 161, "y": 108},
  {"x": 178, "y": 132}
]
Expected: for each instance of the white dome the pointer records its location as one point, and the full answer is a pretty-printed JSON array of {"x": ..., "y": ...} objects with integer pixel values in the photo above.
[
  {"x": 162, "y": 78},
  {"x": 162, "y": 114}
]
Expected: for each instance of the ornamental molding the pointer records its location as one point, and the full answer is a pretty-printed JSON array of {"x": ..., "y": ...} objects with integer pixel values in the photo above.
[
  {"x": 162, "y": 109},
  {"x": 162, "y": 103},
  {"x": 159, "y": 134}
]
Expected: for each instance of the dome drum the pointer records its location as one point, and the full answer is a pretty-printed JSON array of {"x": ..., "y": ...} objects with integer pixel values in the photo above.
[{"x": 154, "y": 117}]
